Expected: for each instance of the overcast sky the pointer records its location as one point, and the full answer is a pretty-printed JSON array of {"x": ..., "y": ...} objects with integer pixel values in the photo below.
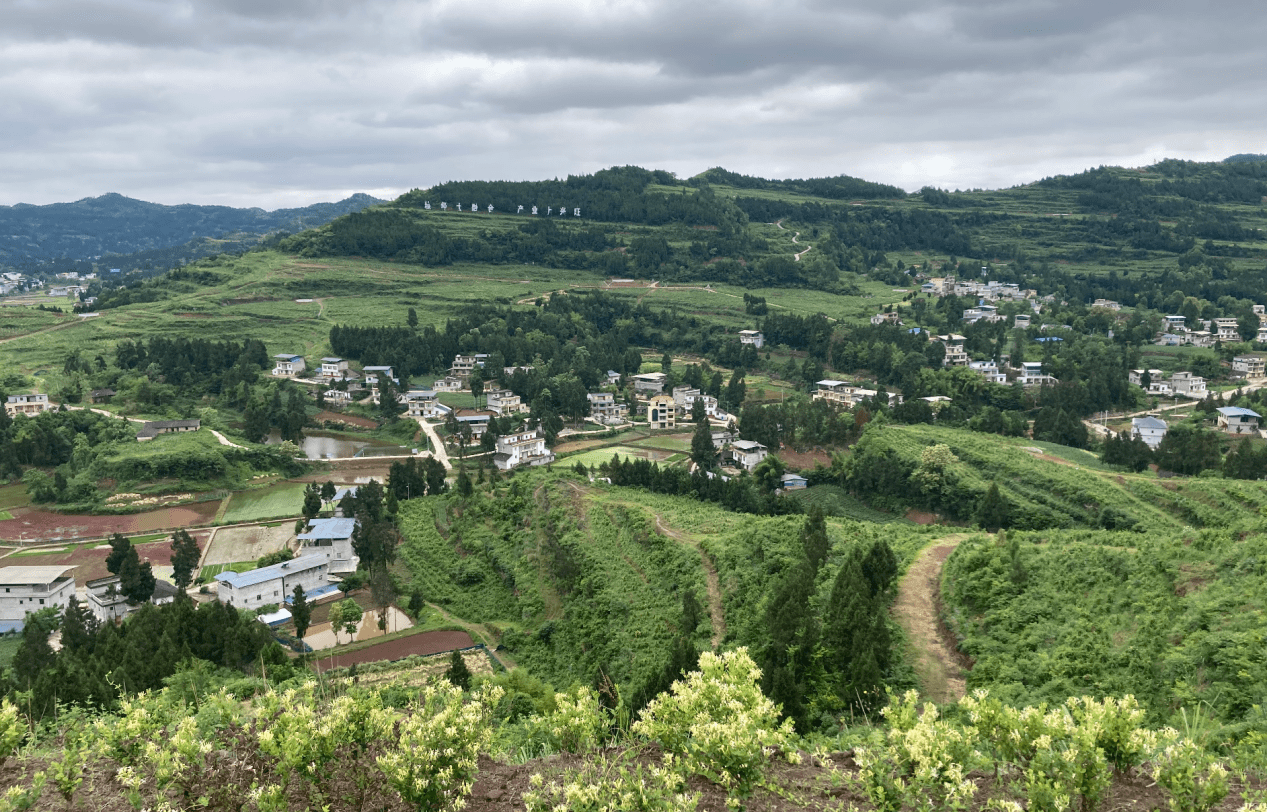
[{"x": 289, "y": 102}]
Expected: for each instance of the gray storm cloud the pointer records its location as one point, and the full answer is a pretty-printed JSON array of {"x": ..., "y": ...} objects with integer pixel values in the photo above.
[{"x": 290, "y": 102}]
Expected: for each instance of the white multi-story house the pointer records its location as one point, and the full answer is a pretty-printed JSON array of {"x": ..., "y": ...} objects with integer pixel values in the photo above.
[
  {"x": 27, "y": 404},
  {"x": 886, "y": 318},
  {"x": 475, "y": 419},
  {"x": 748, "y": 454},
  {"x": 1175, "y": 324},
  {"x": 268, "y": 585},
  {"x": 661, "y": 412},
  {"x": 334, "y": 369},
  {"x": 1248, "y": 366},
  {"x": 1022, "y": 321},
  {"x": 331, "y": 538},
  {"x": 752, "y": 337},
  {"x": 30, "y": 589},
  {"x": 523, "y": 448},
  {"x": 1235, "y": 420},
  {"x": 1107, "y": 304},
  {"x": 982, "y": 312},
  {"x": 988, "y": 370},
  {"x": 605, "y": 409},
  {"x": 1262, "y": 334},
  {"x": 108, "y": 605},
  {"x": 1151, "y": 429},
  {"x": 684, "y": 398},
  {"x": 1032, "y": 374},
  {"x": 843, "y": 393},
  {"x": 1225, "y": 330},
  {"x": 464, "y": 365},
  {"x": 424, "y": 403},
  {"x": 1188, "y": 385},
  {"x": 504, "y": 402},
  {"x": 287, "y": 365},
  {"x": 648, "y": 383},
  {"x": 449, "y": 383}
]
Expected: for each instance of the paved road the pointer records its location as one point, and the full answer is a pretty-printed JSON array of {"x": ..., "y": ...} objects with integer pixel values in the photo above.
[{"x": 437, "y": 447}]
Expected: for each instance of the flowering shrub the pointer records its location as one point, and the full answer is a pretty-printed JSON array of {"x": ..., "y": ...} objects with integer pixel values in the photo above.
[
  {"x": 1116, "y": 725},
  {"x": 577, "y": 723},
  {"x": 718, "y": 720},
  {"x": 20, "y": 799},
  {"x": 438, "y": 744},
  {"x": 1195, "y": 780},
  {"x": 924, "y": 762},
  {"x": 610, "y": 786},
  {"x": 12, "y": 728}
]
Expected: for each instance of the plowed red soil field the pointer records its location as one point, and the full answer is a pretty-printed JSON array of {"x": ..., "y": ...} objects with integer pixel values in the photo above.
[
  {"x": 422, "y": 643},
  {"x": 32, "y": 523}
]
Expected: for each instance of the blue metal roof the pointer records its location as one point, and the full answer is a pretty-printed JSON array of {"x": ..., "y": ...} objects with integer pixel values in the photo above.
[
  {"x": 330, "y": 528},
  {"x": 238, "y": 580},
  {"x": 1237, "y": 411}
]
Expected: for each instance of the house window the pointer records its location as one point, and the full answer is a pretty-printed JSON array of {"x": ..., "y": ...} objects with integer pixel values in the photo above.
[{"x": 41, "y": 601}]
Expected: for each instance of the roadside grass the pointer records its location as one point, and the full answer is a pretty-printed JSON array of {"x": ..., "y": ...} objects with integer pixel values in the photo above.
[
  {"x": 207, "y": 573},
  {"x": 283, "y": 499}
]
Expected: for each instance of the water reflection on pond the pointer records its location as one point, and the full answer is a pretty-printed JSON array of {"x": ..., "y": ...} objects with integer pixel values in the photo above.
[{"x": 318, "y": 445}]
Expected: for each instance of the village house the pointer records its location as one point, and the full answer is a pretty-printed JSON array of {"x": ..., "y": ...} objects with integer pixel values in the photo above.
[
  {"x": 464, "y": 365},
  {"x": 332, "y": 539},
  {"x": 100, "y": 395},
  {"x": 1174, "y": 324},
  {"x": 1022, "y": 321},
  {"x": 475, "y": 419},
  {"x": 886, "y": 318},
  {"x": 613, "y": 377},
  {"x": 604, "y": 408},
  {"x": 1031, "y": 374},
  {"x": 1107, "y": 304},
  {"x": 271, "y": 585},
  {"x": 1235, "y": 420},
  {"x": 108, "y": 604},
  {"x": 423, "y": 403},
  {"x": 793, "y": 482},
  {"x": 747, "y": 454},
  {"x": 988, "y": 370},
  {"x": 287, "y": 365},
  {"x": 504, "y": 402},
  {"x": 27, "y": 404},
  {"x": 336, "y": 397},
  {"x": 955, "y": 354},
  {"x": 1247, "y": 366},
  {"x": 30, "y": 589},
  {"x": 986, "y": 312},
  {"x": 1188, "y": 385},
  {"x": 752, "y": 337},
  {"x": 153, "y": 428},
  {"x": 522, "y": 448},
  {"x": 1225, "y": 330},
  {"x": 1151, "y": 429},
  {"x": 509, "y": 372},
  {"x": 1261, "y": 338},
  {"x": 334, "y": 369},
  {"x": 375, "y": 373},
  {"x": 661, "y": 412},
  {"x": 449, "y": 383},
  {"x": 1199, "y": 338},
  {"x": 648, "y": 383},
  {"x": 684, "y": 398}
]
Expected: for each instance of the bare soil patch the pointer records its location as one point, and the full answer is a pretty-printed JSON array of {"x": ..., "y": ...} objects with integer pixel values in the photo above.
[
  {"x": 90, "y": 561},
  {"x": 349, "y": 419},
  {"x": 29, "y": 523},
  {"x": 803, "y": 459},
  {"x": 921, "y": 516},
  {"x": 422, "y": 643},
  {"x": 232, "y": 544}
]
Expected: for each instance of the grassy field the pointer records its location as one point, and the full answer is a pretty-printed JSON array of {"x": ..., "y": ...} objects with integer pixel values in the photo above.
[
  {"x": 210, "y": 571},
  {"x": 284, "y": 499},
  {"x": 8, "y": 648},
  {"x": 598, "y": 456}
]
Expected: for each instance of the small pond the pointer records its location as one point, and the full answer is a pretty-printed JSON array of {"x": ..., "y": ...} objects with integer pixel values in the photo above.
[{"x": 320, "y": 445}]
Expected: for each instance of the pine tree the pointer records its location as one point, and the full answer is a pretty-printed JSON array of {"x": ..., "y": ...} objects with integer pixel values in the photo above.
[
  {"x": 119, "y": 549},
  {"x": 185, "y": 556},
  {"x": 814, "y": 538},
  {"x": 994, "y": 511},
  {"x": 300, "y": 612},
  {"x": 327, "y": 492},
  {"x": 34, "y": 655},
  {"x": 136, "y": 579},
  {"x": 312, "y": 501},
  {"x": 855, "y": 637},
  {"x": 79, "y": 628},
  {"x": 793, "y": 636},
  {"x": 458, "y": 673},
  {"x": 703, "y": 450}
]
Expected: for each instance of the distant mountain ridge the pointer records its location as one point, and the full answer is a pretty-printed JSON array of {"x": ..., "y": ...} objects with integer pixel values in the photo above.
[{"x": 112, "y": 224}]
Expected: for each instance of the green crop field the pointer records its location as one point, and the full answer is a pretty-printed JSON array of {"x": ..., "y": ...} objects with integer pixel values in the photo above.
[
  {"x": 598, "y": 456},
  {"x": 285, "y": 499}
]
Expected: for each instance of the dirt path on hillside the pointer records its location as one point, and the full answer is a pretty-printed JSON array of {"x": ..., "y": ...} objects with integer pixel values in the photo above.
[
  {"x": 42, "y": 330},
  {"x": 710, "y": 577},
  {"x": 919, "y": 596}
]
